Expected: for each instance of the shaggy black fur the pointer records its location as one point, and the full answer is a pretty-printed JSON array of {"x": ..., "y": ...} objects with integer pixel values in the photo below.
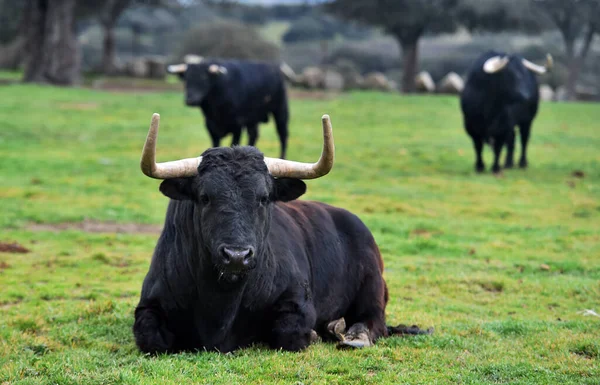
[
  {"x": 244, "y": 96},
  {"x": 493, "y": 104},
  {"x": 311, "y": 263}
]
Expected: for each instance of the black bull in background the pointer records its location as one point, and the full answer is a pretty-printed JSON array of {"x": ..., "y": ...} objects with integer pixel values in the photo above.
[
  {"x": 234, "y": 94},
  {"x": 241, "y": 261},
  {"x": 501, "y": 92}
]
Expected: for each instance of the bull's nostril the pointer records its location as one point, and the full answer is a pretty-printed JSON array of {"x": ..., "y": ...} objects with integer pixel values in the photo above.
[{"x": 236, "y": 255}]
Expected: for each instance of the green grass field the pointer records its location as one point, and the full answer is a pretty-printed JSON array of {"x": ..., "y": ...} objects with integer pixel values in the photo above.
[{"x": 501, "y": 267}]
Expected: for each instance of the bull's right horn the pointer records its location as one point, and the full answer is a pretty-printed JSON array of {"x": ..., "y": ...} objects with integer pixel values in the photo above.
[
  {"x": 495, "y": 64},
  {"x": 177, "y": 68},
  {"x": 177, "y": 169}
]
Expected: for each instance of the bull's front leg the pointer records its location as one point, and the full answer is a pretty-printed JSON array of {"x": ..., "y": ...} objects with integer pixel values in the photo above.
[
  {"x": 150, "y": 330},
  {"x": 293, "y": 324}
]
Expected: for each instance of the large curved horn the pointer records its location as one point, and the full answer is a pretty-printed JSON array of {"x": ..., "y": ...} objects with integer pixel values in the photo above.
[
  {"x": 177, "y": 68},
  {"x": 277, "y": 167},
  {"x": 290, "y": 169},
  {"x": 176, "y": 169},
  {"x": 538, "y": 69},
  {"x": 495, "y": 64}
]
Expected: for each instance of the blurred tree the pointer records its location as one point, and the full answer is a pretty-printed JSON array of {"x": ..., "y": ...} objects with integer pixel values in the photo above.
[
  {"x": 406, "y": 20},
  {"x": 11, "y": 33},
  {"x": 108, "y": 12},
  {"x": 409, "y": 20},
  {"x": 227, "y": 40},
  {"x": 309, "y": 28},
  {"x": 51, "y": 49},
  {"x": 575, "y": 19},
  {"x": 10, "y": 19}
]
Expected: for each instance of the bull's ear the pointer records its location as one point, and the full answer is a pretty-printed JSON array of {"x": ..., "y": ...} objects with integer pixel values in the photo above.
[
  {"x": 177, "y": 188},
  {"x": 288, "y": 189}
]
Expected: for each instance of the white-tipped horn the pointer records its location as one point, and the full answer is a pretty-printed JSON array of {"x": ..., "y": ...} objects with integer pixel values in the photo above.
[
  {"x": 217, "y": 69},
  {"x": 288, "y": 72},
  {"x": 176, "y": 169},
  {"x": 538, "y": 69},
  {"x": 277, "y": 167},
  {"x": 177, "y": 68},
  {"x": 495, "y": 64},
  {"x": 549, "y": 62},
  {"x": 289, "y": 169}
]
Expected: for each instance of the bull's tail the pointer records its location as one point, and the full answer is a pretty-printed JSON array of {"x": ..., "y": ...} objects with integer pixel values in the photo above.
[
  {"x": 404, "y": 330},
  {"x": 288, "y": 73}
]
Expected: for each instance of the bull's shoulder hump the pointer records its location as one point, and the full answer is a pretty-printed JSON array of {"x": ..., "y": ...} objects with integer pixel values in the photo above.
[{"x": 319, "y": 211}]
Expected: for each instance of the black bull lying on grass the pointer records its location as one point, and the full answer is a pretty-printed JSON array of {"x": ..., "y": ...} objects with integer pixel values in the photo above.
[
  {"x": 240, "y": 261},
  {"x": 501, "y": 92},
  {"x": 233, "y": 94}
]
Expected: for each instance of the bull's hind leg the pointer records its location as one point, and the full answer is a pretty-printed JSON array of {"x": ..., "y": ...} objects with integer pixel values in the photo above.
[
  {"x": 366, "y": 316},
  {"x": 252, "y": 134},
  {"x": 498, "y": 144},
  {"x": 478, "y": 145},
  {"x": 510, "y": 145},
  {"x": 282, "y": 115},
  {"x": 236, "y": 131},
  {"x": 524, "y": 130},
  {"x": 150, "y": 330}
]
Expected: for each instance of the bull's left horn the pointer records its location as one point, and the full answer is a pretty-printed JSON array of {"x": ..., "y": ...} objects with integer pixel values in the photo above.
[
  {"x": 176, "y": 169},
  {"x": 538, "y": 69},
  {"x": 289, "y": 169},
  {"x": 177, "y": 68}
]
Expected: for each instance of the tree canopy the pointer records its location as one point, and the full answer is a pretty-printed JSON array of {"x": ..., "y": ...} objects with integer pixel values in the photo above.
[{"x": 409, "y": 20}]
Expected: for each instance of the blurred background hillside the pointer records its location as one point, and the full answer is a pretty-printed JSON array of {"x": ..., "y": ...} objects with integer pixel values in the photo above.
[{"x": 356, "y": 37}]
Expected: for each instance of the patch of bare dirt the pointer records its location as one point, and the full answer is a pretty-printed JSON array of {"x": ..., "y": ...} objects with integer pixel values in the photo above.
[
  {"x": 98, "y": 227},
  {"x": 13, "y": 248},
  {"x": 424, "y": 233},
  {"x": 313, "y": 95},
  {"x": 78, "y": 106},
  {"x": 134, "y": 86}
]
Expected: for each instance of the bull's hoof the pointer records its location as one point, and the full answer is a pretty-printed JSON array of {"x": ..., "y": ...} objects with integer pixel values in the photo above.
[
  {"x": 479, "y": 168},
  {"x": 337, "y": 328},
  {"x": 496, "y": 169},
  {"x": 358, "y": 336},
  {"x": 523, "y": 163},
  {"x": 508, "y": 166},
  {"x": 314, "y": 337}
]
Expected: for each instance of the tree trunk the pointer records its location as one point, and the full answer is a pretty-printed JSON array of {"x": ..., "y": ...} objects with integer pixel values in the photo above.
[
  {"x": 11, "y": 54},
  {"x": 410, "y": 57},
  {"x": 51, "y": 50},
  {"x": 575, "y": 61},
  {"x": 109, "y": 50}
]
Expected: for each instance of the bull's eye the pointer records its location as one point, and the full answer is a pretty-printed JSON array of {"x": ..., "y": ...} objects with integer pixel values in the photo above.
[
  {"x": 204, "y": 199},
  {"x": 263, "y": 200}
]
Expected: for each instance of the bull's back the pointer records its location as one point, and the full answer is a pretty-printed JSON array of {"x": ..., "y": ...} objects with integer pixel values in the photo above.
[{"x": 340, "y": 252}]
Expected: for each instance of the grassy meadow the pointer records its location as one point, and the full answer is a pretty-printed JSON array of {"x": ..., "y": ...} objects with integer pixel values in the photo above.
[{"x": 500, "y": 267}]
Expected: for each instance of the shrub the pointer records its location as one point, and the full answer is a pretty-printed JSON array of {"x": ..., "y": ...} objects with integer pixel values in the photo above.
[
  {"x": 367, "y": 58},
  {"x": 309, "y": 28},
  {"x": 227, "y": 40}
]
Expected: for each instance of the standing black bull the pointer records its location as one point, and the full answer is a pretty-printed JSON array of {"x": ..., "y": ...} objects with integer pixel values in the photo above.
[
  {"x": 501, "y": 92},
  {"x": 240, "y": 261},
  {"x": 235, "y": 94}
]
